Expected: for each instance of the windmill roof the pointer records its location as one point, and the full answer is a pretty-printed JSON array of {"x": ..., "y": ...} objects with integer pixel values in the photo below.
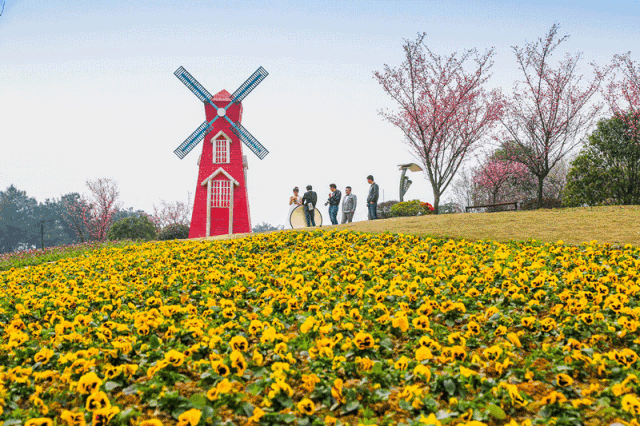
[
  {"x": 222, "y": 95},
  {"x": 216, "y": 173}
]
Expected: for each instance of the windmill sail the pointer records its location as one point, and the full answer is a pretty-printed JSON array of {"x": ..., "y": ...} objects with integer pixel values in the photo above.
[
  {"x": 249, "y": 85},
  {"x": 249, "y": 140},
  {"x": 194, "y": 139},
  {"x": 193, "y": 85},
  {"x": 206, "y": 97}
]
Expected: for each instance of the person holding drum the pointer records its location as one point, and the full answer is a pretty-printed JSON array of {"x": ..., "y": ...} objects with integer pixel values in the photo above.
[{"x": 309, "y": 200}]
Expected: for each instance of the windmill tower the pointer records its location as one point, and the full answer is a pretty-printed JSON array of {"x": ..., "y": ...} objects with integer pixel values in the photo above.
[{"x": 221, "y": 204}]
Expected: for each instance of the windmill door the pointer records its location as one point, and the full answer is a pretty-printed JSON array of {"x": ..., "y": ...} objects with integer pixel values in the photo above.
[{"x": 221, "y": 206}]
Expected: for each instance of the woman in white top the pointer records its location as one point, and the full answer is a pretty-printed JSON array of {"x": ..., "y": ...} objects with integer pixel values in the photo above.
[{"x": 294, "y": 201}]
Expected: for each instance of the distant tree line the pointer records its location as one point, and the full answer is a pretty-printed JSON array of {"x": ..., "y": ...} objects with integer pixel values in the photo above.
[
  {"x": 73, "y": 218},
  {"x": 266, "y": 227}
]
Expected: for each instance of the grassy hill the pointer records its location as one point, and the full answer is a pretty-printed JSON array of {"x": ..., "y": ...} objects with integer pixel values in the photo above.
[{"x": 617, "y": 225}]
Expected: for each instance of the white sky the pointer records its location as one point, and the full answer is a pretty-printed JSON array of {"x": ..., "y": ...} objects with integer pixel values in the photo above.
[{"x": 87, "y": 87}]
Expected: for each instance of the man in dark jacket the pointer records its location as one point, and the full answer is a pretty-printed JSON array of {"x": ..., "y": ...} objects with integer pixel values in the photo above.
[
  {"x": 334, "y": 203},
  {"x": 309, "y": 200},
  {"x": 372, "y": 199}
]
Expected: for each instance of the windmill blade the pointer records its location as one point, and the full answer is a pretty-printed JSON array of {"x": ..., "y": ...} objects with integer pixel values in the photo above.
[
  {"x": 193, "y": 140},
  {"x": 193, "y": 85},
  {"x": 249, "y": 85},
  {"x": 249, "y": 140}
]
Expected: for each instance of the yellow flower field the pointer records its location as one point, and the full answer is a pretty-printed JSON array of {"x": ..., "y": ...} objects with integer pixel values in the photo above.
[{"x": 324, "y": 327}]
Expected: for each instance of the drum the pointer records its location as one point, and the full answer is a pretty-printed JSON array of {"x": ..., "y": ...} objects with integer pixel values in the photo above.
[{"x": 297, "y": 219}]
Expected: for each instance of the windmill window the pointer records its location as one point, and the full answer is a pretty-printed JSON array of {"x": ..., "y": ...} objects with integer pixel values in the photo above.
[
  {"x": 221, "y": 196},
  {"x": 222, "y": 149}
]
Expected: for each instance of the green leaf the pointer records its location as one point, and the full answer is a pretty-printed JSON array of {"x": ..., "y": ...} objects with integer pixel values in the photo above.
[
  {"x": 284, "y": 401},
  {"x": 289, "y": 418},
  {"x": 154, "y": 342},
  {"x": 450, "y": 386},
  {"x": 405, "y": 405},
  {"x": 109, "y": 386},
  {"x": 207, "y": 412},
  {"x": 245, "y": 408},
  {"x": 176, "y": 413},
  {"x": 303, "y": 421},
  {"x": 382, "y": 394},
  {"x": 496, "y": 412},
  {"x": 253, "y": 389},
  {"x": 198, "y": 401},
  {"x": 386, "y": 343},
  {"x": 130, "y": 390},
  {"x": 444, "y": 414},
  {"x": 128, "y": 414},
  {"x": 351, "y": 406}
]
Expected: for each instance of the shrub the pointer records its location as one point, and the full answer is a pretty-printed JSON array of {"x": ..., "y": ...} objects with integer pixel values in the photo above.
[
  {"x": 175, "y": 231},
  {"x": 384, "y": 209},
  {"x": 450, "y": 207},
  {"x": 137, "y": 227},
  {"x": 547, "y": 203},
  {"x": 266, "y": 227},
  {"x": 606, "y": 169},
  {"x": 411, "y": 208}
]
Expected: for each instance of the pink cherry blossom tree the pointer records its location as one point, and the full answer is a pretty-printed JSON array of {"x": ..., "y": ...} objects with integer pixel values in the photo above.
[
  {"x": 169, "y": 213},
  {"x": 623, "y": 92},
  {"x": 91, "y": 216},
  {"x": 104, "y": 202},
  {"x": 501, "y": 180},
  {"x": 443, "y": 109},
  {"x": 75, "y": 213},
  {"x": 550, "y": 109}
]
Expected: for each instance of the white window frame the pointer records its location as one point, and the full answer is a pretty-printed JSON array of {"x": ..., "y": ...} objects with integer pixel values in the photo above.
[
  {"x": 217, "y": 141},
  {"x": 221, "y": 194}
]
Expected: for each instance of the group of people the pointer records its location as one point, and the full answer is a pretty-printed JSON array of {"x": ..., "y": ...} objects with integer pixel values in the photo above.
[{"x": 310, "y": 198}]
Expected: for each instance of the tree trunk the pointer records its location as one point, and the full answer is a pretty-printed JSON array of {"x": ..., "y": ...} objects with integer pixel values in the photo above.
[
  {"x": 436, "y": 201},
  {"x": 540, "y": 187}
]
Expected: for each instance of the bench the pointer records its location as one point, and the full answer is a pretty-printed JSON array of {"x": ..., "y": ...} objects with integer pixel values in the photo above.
[{"x": 514, "y": 204}]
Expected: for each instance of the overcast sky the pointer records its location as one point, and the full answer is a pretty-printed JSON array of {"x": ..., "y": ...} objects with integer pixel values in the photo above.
[{"x": 87, "y": 87}]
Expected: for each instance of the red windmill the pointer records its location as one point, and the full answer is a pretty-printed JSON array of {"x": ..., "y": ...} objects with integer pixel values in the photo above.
[{"x": 221, "y": 204}]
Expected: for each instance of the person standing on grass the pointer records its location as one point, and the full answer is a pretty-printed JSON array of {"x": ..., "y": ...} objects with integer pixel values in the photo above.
[
  {"x": 372, "y": 199},
  {"x": 334, "y": 203},
  {"x": 348, "y": 205},
  {"x": 309, "y": 200}
]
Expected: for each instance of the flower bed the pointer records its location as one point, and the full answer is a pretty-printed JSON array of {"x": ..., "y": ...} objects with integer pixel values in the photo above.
[{"x": 324, "y": 328}]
